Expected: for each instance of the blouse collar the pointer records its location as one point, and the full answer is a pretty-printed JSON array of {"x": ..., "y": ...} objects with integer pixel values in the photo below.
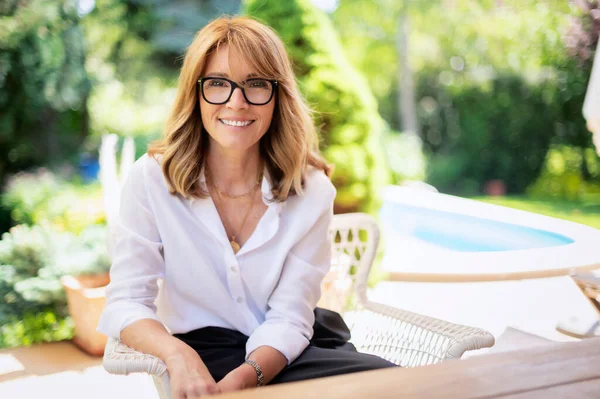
[{"x": 267, "y": 228}]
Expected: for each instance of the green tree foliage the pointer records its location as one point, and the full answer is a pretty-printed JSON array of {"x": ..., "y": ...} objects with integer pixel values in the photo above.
[
  {"x": 135, "y": 50},
  {"x": 130, "y": 95},
  {"x": 43, "y": 83},
  {"x": 370, "y": 33},
  {"x": 496, "y": 82},
  {"x": 349, "y": 125},
  {"x": 505, "y": 139}
]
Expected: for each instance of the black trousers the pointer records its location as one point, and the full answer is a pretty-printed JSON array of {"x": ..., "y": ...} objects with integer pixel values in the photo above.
[{"x": 329, "y": 352}]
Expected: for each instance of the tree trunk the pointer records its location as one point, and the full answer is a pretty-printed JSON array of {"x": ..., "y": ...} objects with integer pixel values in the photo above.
[{"x": 406, "y": 91}]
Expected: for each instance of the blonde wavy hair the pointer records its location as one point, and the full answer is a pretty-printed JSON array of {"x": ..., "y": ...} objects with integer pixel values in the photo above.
[{"x": 290, "y": 144}]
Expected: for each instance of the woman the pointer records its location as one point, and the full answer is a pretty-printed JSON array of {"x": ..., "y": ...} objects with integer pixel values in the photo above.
[{"x": 231, "y": 209}]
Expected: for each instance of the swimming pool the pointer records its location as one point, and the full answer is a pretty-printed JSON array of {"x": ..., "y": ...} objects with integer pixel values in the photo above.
[{"x": 432, "y": 236}]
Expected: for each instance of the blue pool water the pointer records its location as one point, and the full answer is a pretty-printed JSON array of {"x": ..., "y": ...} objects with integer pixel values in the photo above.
[{"x": 464, "y": 233}]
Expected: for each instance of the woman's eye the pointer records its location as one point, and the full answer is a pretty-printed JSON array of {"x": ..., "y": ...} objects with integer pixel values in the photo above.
[
  {"x": 258, "y": 84},
  {"x": 218, "y": 83}
]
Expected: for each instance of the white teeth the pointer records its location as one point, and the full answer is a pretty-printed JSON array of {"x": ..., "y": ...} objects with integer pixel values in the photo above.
[{"x": 236, "y": 123}]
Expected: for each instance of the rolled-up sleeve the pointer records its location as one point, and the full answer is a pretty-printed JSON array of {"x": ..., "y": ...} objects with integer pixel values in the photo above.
[
  {"x": 137, "y": 262},
  {"x": 288, "y": 325}
]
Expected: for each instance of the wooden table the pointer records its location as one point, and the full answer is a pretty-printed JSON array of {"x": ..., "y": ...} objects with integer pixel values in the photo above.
[{"x": 556, "y": 370}]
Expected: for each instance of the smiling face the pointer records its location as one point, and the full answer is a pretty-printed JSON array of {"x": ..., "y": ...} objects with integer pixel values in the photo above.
[{"x": 236, "y": 125}]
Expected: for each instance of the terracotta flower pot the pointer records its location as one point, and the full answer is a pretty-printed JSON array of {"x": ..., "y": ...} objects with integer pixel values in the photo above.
[{"x": 86, "y": 301}]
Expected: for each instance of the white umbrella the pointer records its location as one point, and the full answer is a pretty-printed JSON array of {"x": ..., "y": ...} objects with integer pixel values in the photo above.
[{"x": 591, "y": 105}]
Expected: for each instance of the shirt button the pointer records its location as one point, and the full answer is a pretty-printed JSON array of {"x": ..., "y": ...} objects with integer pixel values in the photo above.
[
  {"x": 233, "y": 269},
  {"x": 240, "y": 299}
]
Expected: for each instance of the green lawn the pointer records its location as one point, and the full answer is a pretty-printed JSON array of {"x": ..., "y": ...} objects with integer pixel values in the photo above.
[{"x": 587, "y": 213}]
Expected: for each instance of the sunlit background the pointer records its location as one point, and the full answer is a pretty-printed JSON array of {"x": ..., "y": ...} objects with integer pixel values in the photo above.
[{"x": 477, "y": 98}]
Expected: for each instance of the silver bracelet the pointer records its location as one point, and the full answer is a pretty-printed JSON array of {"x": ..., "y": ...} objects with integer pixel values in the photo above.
[{"x": 259, "y": 374}]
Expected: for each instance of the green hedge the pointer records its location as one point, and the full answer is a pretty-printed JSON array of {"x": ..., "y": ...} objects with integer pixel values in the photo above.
[
  {"x": 499, "y": 129},
  {"x": 32, "y": 260}
]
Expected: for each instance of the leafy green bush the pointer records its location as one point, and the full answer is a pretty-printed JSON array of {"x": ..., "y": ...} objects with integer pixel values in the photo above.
[
  {"x": 33, "y": 328},
  {"x": 25, "y": 193},
  {"x": 43, "y": 197},
  {"x": 349, "y": 125},
  {"x": 478, "y": 132},
  {"x": 562, "y": 177},
  {"x": 32, "y": 260},
  {"x": 62, "y": 231}
]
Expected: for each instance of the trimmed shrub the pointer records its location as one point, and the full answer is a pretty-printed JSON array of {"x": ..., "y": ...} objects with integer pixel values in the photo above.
[{"x": 349, "y": 124}]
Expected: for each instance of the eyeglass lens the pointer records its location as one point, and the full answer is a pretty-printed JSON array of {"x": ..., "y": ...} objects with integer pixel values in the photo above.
[{"x": 257, "y": 91}]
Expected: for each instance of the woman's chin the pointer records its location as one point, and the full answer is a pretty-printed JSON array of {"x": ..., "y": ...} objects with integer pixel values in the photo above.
[{"x": 235, "y": 144}]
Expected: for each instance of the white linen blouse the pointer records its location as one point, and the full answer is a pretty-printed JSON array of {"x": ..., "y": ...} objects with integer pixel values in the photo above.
[{"x": 267, "y": 291}]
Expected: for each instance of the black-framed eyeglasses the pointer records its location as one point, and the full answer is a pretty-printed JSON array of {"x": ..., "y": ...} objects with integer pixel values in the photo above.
[{"x": 256, "y": 91}]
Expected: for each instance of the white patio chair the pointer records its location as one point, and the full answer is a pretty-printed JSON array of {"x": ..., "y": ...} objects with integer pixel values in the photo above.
[{"x": 403, "y": 337}]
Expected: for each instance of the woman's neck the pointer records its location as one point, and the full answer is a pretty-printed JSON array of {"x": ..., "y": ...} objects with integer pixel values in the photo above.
[{"x": 234, "y": 173}]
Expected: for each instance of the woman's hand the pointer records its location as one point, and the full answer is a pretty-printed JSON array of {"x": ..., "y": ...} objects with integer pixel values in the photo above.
[
  {"x": 240, "y": 378},
  {"x": 190, "y": 378}
]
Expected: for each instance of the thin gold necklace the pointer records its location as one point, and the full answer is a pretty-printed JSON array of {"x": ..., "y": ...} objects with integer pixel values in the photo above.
[
  {"x": 224, "y": 194},
  {"x": 232, "y": 241}
]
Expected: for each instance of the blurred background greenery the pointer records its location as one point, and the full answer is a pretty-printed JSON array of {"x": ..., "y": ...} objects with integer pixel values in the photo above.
[{"x": 475, "y": 97}]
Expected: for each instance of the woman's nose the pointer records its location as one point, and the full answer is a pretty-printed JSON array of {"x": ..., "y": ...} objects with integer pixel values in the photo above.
[{"x": 237, "y": 100}]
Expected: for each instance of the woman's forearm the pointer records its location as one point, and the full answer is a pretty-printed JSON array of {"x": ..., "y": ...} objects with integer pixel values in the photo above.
[
  {"x": 149, "y": 336},
  {"x": 189, "y": 375},
  {"x": 270, "y": 360}
]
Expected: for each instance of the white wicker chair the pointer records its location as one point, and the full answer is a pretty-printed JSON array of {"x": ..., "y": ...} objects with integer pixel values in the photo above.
[{"x": 403, "y": 337}]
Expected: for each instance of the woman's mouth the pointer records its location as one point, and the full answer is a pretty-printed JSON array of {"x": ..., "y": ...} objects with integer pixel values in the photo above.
[{"x": 233, "y": 123}]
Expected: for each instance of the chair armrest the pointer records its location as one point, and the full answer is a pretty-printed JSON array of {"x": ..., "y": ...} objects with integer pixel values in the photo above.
[
  {"x": 410, "y": 339},
  {"x": 121, "y": 359}
]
